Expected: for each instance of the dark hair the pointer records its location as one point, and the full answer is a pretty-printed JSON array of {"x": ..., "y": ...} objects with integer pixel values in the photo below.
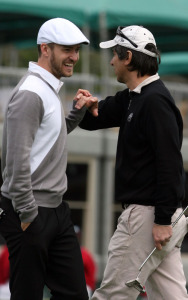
[
  {"x": 39, "y": 50},
  {"x": 50, "y": 45},
  {"x": 141, "y": 62}
]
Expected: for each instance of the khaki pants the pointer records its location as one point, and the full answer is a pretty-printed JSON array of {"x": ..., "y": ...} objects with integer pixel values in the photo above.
[{"x": 131, "y": 243}]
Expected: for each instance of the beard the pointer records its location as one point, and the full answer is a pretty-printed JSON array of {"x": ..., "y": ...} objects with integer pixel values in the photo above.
[{"x": 56, "y": 68}]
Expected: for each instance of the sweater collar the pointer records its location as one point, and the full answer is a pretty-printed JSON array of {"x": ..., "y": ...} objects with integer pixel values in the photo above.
[
  {"x": 145, "y": 82},
  {"x": 55, "y": 83}
]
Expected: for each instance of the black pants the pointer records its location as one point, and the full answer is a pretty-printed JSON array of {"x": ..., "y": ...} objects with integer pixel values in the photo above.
[{"x": 47, "y": 253}]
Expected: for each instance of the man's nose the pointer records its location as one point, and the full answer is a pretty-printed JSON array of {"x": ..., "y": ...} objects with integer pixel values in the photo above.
[{"x": 74, "y": 56}]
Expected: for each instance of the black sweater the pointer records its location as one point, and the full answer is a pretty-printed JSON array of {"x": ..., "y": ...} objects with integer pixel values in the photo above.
[{"x": 149, "y": 165}]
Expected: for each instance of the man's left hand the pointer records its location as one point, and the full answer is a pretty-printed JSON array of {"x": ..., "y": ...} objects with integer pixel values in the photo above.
[{"x": 161, "y": 235}]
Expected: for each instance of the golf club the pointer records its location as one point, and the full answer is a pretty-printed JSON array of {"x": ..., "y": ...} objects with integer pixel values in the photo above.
[{"x": 135, "y": 282}]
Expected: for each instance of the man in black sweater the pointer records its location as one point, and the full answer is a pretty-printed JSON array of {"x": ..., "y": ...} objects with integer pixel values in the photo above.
[{"x": 149, "y": 173}]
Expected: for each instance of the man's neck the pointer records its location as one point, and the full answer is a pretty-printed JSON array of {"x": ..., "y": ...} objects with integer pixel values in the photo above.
[{"x": 134, "y": 80}]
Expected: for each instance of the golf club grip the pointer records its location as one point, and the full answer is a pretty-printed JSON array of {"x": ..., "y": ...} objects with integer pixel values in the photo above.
[{"x": 173, "y": 224}]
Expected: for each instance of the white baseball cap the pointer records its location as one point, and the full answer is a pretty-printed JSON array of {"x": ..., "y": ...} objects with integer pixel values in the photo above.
[
  {"x": 60, "y": 31},
  {"x": 133, "y": 37}
]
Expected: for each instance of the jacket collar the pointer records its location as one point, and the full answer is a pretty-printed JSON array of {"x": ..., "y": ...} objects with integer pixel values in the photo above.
[{"x": 145, "y": 82}]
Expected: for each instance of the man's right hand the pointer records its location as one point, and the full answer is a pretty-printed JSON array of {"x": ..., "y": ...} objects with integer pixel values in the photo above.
[
  {"x": 24, "y": 226},
  {"x": 84, "y": 98}
]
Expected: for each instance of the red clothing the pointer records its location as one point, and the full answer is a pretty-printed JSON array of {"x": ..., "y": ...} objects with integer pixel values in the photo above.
[
  {"x": 4, "y": 265},
  {"x": 89, "y": 268}
]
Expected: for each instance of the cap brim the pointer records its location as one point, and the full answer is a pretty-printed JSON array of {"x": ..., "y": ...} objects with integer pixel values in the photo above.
[
  {"x": 87, "y": 42},
  {"x": 108, "y": 44}
]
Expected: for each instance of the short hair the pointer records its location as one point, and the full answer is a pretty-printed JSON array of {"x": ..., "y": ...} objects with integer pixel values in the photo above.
[
  {"x": 39, "y": 50},
  {"x": 141, "y": 62},
  {"x": 50, "y": 45}
]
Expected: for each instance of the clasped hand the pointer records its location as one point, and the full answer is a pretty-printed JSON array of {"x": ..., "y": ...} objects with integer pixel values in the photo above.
[{"x": 84, "y": 98}]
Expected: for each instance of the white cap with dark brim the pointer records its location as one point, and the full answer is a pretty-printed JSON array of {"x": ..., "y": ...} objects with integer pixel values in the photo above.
[
  {"x": 137, "y": 34},
  {"x": 60, "y": 31}
]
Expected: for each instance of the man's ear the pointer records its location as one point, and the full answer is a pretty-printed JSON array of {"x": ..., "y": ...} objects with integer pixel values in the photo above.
[
  {"x": 128, "y": 57},
  {"x": 44, "y": 49}
]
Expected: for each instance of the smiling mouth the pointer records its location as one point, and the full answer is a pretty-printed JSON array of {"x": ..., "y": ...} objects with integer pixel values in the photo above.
[{"x": 69, "y": 65}]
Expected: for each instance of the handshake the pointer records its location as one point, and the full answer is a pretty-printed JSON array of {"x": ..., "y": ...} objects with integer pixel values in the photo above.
[{"x": 84, "y": 98}]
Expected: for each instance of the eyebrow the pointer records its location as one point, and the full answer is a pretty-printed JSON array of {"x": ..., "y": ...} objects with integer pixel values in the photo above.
[{"x": 71, "y": 46}]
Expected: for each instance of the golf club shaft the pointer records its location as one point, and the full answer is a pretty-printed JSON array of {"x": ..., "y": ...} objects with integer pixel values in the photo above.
[{"x": 173, "y": 224}]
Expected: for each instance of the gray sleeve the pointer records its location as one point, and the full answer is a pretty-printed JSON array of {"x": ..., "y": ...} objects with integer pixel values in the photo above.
[
  {"x": 74, "y": 117},
  {"x": 24, "y": 115}
]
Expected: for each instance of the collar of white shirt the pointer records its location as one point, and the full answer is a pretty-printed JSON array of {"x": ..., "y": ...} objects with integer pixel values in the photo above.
[
  {"x": 145, "y": 82},
  {"x": 47, "y": 76}
]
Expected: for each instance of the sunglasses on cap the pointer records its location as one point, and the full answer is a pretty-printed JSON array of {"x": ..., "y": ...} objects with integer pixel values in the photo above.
[{"x": 120, "y": 33}]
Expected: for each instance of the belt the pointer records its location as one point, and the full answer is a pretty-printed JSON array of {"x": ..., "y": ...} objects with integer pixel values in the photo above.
[{"x": 124, "y": 205}]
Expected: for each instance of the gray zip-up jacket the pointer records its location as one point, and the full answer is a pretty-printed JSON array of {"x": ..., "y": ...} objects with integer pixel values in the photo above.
[{"x": 34, "y": 150}]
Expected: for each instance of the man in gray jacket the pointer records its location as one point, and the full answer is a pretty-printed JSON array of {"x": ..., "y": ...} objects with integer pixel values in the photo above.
[{"x": 37, "y": 226}]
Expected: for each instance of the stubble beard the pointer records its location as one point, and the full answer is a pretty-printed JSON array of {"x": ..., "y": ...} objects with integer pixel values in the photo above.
[{"x": 56, "y": 68}]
